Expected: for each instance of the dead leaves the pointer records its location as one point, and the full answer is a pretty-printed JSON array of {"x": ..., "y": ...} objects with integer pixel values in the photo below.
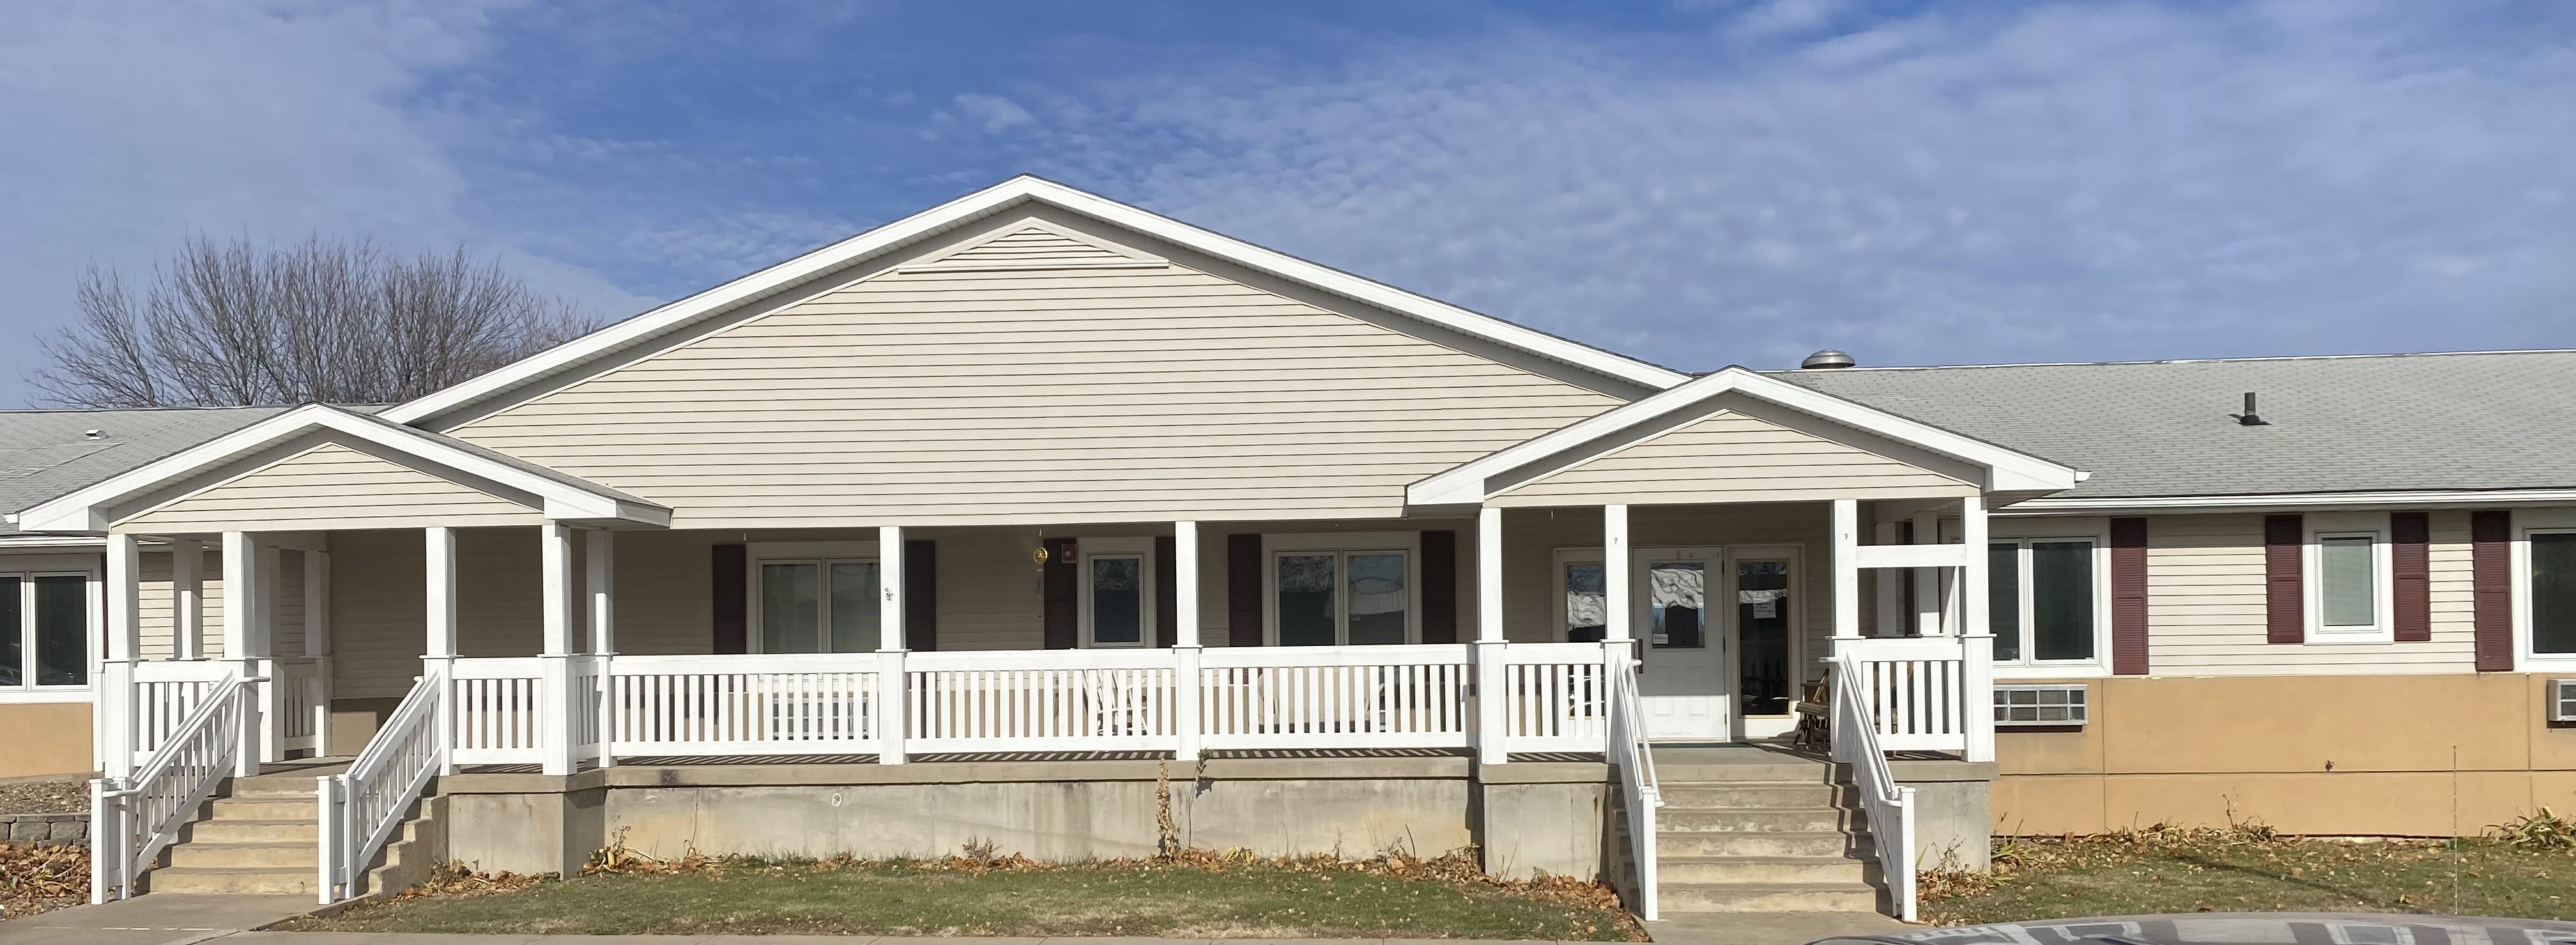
[{"x": 49, "y": 872}]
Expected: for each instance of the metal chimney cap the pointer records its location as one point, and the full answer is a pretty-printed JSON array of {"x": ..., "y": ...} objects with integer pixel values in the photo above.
[{"x": 1826, "y": 360}]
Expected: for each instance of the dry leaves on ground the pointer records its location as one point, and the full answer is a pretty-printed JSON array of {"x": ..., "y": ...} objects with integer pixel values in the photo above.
[
  {"x": 42, "y": 879},
  {"x": 45, "y": 797}
]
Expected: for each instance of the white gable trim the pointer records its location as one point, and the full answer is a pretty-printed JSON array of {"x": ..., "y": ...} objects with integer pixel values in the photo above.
[
  {"x": 94, "y": 508},
  {"x": 2005, "y": 470},
  {"x": 1023, "y": 189}
]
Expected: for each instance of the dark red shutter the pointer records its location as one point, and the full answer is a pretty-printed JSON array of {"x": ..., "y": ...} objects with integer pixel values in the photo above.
[
  {"x": 921, "y": 594},
  {"x": 2410, "y": 565},
  {"x": 1167, "y": 591},
  {"x": 731, "y": 619},
  {"x": 1439, "y": 587},
  {"x": 2285, "y": 617},
  {"x": 2129, "y": 596},
  {"x": 1243, "y": 589},
  {"x": 2491, "y": 594},
  {"x": 1062, "y": 597}
]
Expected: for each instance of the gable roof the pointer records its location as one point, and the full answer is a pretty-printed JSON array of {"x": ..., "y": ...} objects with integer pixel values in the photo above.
[
  {"x": 2349, "y": 424},
  {"x": 2007, "y": 470},
  {"x": 295, "y": 430},
  {"x": 584, "y": 355},
  {"x": 45, "y": 454}
]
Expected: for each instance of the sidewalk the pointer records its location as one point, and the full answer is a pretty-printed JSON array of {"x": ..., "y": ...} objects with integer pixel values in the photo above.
[{"x": 158, "y": 919}]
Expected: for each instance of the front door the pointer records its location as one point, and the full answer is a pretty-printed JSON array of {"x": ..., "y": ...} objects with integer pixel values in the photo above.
[
  {"x": 1683, "y": 690},
  {"x": 1764, "y": 661}
]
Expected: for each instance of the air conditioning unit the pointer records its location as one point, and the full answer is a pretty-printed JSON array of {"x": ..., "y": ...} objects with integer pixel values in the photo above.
[
  {"x": 2562, "y": 700},
  {"x": 2048, "y": 704}
]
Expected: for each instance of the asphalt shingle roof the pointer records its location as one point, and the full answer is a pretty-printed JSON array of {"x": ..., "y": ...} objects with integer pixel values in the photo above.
[
  {"x": 46, "y": 454},
  {"x": 2491, "y": 420}
]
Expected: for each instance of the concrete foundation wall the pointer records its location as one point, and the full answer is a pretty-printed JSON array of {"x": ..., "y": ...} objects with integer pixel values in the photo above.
[
  {"x": 1952, "y": 812},
  {"x": 1051, "y": 810}
]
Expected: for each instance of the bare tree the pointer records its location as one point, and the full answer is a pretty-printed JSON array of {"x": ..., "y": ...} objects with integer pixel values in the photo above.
[{"x": 335, "y": 321}]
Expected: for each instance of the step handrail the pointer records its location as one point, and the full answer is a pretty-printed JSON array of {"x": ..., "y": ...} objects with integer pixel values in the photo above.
[
  {"x": 1635, "y": 761},
  {"x": 361, "y": 807},
  {"x": 134, "y": 817},
  {"x": 1890, "y": 805}
]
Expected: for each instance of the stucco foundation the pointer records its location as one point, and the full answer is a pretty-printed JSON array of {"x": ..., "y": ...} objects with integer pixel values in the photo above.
[{"x": 46, "y": 738}]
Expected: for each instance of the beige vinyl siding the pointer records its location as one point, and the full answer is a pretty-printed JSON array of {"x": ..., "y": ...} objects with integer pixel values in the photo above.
[
  {"x": 331, "y": 487},
  {"x": 155, "y": 602},
  {"x": 2205, "y": 605},
  {"x": 1039, "y": 396},
  {"x": 1729, "y": 457}
]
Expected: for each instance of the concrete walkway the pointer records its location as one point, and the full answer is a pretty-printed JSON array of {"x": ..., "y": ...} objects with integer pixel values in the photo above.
[
  {"x": 1770, "y": 928},
  {"x": 158, "y": 919}
]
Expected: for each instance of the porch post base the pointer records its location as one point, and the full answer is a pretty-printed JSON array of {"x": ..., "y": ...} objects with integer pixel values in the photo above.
[
  {"x": 890, "y": 720},
  {"x": 1186, "y": 686},
  {"x": 1492, "y": 704}
]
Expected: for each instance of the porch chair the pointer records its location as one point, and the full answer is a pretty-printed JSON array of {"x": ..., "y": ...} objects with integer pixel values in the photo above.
[{"x": 1815, "y": 709}]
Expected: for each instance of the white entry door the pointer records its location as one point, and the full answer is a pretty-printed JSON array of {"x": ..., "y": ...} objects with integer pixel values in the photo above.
[{"x": 1683, "y": 691}]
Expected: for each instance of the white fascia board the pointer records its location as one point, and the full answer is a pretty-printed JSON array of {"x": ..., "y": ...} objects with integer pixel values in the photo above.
[
  {"x": 86, "y": 509},
  {"x": 2007, "y": 470},
  {"x": 1000, "y": 196},
  {"x": 2292, "y": 501}
]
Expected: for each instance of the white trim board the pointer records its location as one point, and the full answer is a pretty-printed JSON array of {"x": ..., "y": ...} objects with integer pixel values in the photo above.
[
  {"x": 2005, "y": 470},
  {"x": 443, "y": 408},
  {"x": 2294, "y": 501},
  {"x": 96, "y": 507}
]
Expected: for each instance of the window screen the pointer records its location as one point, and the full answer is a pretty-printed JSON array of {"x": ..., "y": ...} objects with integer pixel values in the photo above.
[
  {"x": 2553, "y": 593},
  {"x": 2345, "y": 597},
  {"x": 2061, "y": 600}
]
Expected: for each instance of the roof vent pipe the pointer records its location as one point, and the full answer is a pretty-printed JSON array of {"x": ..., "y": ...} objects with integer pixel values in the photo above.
[
  {"x": 2249, "y": 418},
  {"x": 1828, "y": 359}
]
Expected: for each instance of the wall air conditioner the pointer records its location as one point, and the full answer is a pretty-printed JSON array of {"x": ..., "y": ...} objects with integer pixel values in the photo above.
[
  {"x": 2562, "y": 700},
  {"x": 2049, "y": 704}
]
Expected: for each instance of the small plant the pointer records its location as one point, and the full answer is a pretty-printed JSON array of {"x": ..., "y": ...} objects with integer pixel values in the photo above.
[
  {"x": 980, "y": 851},
  {"x": 2542, "y": 830}
]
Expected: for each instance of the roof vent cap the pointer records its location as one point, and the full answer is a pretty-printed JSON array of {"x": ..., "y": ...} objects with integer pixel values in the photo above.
[
  {"x": 93, "y": 434},
  {"x": 1826, "y": 360}
]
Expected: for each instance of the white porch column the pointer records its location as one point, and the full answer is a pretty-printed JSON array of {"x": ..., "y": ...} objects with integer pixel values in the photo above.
[
  {"x": 1846, "y": 570},
  {"x": 114, "y": 709},
  {"x": 1185, "y": 639},
  {"x": 1892, "y": 619},
  {"x": 1976, "y": 635},
  {"x": 599, "y": 549},
  {"x": 272, "y": 694},
  {"x": 890, "y": 720},
  {"x": 1927, "y": 581},
  {"x": 554, "y": 666},
  {"x": 187, "y": 600},
  {"x": 1618, "y": 645},
  {"x": 438, "y": 652},
  {"x": 1492, "y": 700},
  {"x": 317, "y": 642},
  {"x": 242, "y": 612}
]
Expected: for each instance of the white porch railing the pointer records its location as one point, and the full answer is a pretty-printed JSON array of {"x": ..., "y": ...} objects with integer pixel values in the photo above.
[
  {"x": 1890, "y": 806},
  {"x": 166, "y": 693},
  {"x": 131, "y": 820},
  {"x": 303, "y": 702},
  {"x": 1639, "y": 791},
  {"x": 361, "y": 807},
  {"x": 1916, "y": 689},
  {"x": 1557, "y": 699}
]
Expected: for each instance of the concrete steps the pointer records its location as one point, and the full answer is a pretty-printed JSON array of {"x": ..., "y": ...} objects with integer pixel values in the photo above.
[
  {"x": 257, "y": 835},
  {"x": 1751, "y": 830}
]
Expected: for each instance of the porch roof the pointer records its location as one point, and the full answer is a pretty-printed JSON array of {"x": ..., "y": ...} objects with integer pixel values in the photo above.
[
  {"x": 1990, "y": 467},
  {"x": 276, "y": 439}
]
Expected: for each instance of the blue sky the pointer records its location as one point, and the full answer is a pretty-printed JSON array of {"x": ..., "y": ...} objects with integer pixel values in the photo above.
[{"x": 1698, "y": 183}]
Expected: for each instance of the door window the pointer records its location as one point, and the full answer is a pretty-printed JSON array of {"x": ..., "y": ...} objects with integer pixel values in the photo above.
[
  {"x": 1762, "y": 617},
  {"x": 1677, "y": 604}
]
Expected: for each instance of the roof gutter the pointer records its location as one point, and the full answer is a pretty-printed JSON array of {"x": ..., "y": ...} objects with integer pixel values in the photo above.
[{"x": 2286, "y": 501}]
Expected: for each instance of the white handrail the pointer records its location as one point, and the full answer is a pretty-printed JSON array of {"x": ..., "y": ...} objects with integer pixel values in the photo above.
[
  {"x": 1636, "y": 763},
  {"x": 361, "y": 807},
  {"x": 1890, "y": 806},
  {"x": 138, "y": 816}
]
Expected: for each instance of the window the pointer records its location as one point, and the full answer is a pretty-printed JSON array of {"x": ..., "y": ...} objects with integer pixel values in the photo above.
[
  {"x": 1360, "y": 595},
  {"x": 2348, "y": 579},
  {"x": 2043, "y": 600},
  {"x": 2553, "y": 594},
  {"x": 1117, "y": 591},
  {"x": 822, "y": 603},
  {"x": 1587, "y": 601},
  {"x": 44, "y": 631}
]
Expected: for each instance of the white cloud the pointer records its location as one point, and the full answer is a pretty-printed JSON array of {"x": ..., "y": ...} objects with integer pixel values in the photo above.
[
  {"x": 131, "y": 126},
  {"x": 994, "y": 112},
  {"x": 2077, "y": 181}
]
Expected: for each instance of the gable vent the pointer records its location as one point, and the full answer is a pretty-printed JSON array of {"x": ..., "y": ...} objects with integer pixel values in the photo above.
[{"x": 1038, "y": 246}]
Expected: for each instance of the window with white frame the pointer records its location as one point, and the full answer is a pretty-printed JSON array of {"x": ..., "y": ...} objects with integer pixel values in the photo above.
[
  {"x": 1344, "y": 590},
  {"x": 1117, "y": 581},
  {"x": 1580, "y": 583},
  {"x": 2348, "y": 585},
  {"x": 44, "y": 631},
  {"x": 2044, "y": 600},
  {"x": 2549, "y": 592},
  {"x": 816, "y": 598}
]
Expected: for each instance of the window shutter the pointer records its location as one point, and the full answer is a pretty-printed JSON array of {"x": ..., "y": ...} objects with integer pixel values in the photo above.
[
  {"x": 731, "y": 619},
  {"x": 2284, "y": 620},
  {"x": 921, "y": 595},
  {"x": 1062, "y": 596},
  {"x": 2491, "y": 580},
  {"x": 1243, "y": 589},
  {"x": 2410, "y": 565},
  {"x": 1439, "y": 587},
  {"x": 1167, "y": 591},
  {"x": 2129, "y": 596}
]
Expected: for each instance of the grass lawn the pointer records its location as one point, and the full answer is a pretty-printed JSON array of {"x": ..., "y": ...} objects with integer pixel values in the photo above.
[
  {"x": 2234, "y": 871},
  {"x": 1268, "y": 899}
]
